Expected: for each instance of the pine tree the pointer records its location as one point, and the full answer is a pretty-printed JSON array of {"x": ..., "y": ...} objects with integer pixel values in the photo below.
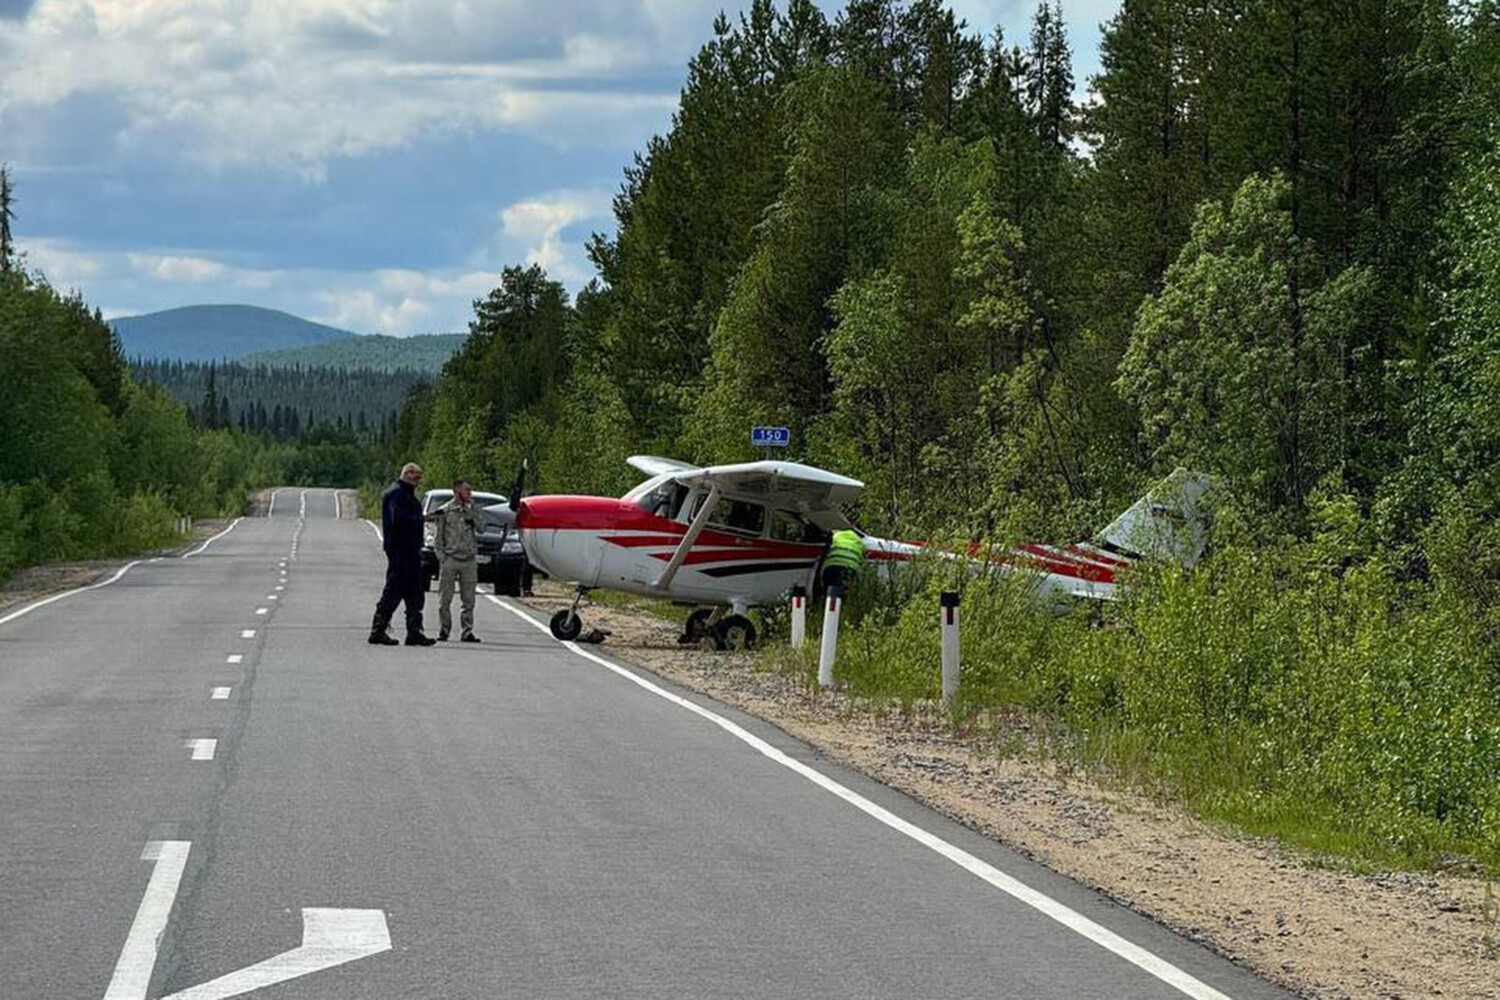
[{"x": 208, "y": 410}]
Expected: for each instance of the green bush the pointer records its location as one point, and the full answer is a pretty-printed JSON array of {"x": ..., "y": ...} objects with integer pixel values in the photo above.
[{"x": 1302, "y": 688}]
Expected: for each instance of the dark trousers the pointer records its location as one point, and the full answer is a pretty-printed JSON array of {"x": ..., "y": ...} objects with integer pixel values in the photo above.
[
  {"x": 403, "y": 583},
  {"x": 838, "y": 576}
]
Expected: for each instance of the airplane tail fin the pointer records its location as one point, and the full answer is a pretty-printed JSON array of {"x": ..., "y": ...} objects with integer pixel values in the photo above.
[{"x": 1170, "y": 522}]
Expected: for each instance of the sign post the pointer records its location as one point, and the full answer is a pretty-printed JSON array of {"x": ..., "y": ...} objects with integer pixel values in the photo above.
[{"x": 799, "y": 616}]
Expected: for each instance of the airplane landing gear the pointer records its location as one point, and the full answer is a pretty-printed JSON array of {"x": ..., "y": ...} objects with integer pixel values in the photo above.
[
  {"x": 699, "y": 626},
  {"x": 566, "y": 625},
  {"x": 711, "y": 629},
  {"x": 735, "y": 633}
]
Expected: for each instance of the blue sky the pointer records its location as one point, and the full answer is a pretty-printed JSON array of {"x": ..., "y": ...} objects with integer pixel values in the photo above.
[{"x": 371, "y": 164}]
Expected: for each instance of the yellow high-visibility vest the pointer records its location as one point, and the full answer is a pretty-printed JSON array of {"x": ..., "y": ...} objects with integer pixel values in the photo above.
[{"x": 846, "y": 552}]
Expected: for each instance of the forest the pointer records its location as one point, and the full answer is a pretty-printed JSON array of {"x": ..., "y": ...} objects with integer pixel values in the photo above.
[
  {"x": 1265, "y": 246},
  {"x": 283, "y": 400}
]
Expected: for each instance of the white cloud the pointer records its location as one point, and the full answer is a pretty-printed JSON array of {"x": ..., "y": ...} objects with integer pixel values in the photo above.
[
  {"x": 367, "y": 311},
  {"x": 62, "y": 264},
  {"x": 173, "y": 268},
  {"x": 296, "y": 83},
  {"x": 537, "y": 224}
]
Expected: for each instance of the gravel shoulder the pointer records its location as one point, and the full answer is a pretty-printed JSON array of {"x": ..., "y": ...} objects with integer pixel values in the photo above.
[{"x": 1298, "y": 921}]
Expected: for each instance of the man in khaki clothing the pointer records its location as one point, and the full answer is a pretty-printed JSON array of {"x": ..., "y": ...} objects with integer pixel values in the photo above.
[{"x": 456, "y": 545}]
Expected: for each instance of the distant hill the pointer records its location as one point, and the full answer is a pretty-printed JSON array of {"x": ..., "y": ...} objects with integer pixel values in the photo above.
[
  {"x": 370, "y": 353},
  {"x": 209, "y": 333}
]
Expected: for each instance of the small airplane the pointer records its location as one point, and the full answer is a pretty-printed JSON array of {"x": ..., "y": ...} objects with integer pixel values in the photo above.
[{"x": 741, "y": 536}]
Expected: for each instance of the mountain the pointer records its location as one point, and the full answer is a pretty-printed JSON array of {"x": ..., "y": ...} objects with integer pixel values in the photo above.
[
  {"x": 370, "y": 353},
  {"x": 211, "y": 333}
]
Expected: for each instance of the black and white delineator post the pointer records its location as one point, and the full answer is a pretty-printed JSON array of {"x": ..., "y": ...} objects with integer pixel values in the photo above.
[
  {"x": 830, "y": 635},
  {"x": 799, "y": 616},
  {"x": 949, "y": 604}
]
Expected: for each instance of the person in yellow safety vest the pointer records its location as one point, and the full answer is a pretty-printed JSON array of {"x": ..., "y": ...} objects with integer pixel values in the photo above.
[{"x": 845, "y": 555}]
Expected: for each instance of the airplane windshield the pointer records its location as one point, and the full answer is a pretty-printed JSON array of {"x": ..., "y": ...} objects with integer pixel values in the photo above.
[{"x": 666, "y": 500}]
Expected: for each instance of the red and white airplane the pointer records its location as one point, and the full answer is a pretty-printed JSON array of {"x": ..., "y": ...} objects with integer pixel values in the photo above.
[{"x": 741, "y": 536}]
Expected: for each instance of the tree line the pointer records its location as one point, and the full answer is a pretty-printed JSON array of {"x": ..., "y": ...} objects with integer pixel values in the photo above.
[
  {"x": 1267, "y": 247},
  {"x": 281, "y": 401}
]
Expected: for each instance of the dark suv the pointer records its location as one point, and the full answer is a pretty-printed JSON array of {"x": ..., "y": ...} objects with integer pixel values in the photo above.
[{"x": 501, "y": 559}]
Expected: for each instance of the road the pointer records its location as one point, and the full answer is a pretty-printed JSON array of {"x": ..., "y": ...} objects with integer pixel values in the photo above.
[{"x": 513, "y": 819}]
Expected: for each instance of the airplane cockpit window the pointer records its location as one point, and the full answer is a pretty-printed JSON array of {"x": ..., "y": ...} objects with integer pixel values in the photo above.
[
  {"x": 666, "y": 500},
  {"x": 787, "y": 526},
  {"x": 740, "y": 517}
]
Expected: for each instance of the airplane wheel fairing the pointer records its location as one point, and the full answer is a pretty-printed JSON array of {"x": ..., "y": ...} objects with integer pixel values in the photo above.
[
  {"x": 736, "y": 633},
  {"x": 566, "y": 625}
]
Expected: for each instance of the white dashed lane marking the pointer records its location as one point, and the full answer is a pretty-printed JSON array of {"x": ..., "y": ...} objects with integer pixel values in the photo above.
[
  {"x": 203, "y": 749},
  {"x": 235, "y": 658},
  {"x": 261, "y": 611},
  {"x": 219, "y": 694},
  {"x": 248, "y": 633}
]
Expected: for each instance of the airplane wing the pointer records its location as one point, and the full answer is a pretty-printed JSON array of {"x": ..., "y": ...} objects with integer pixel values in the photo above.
[
  {"x": 801, "y": 487},
  {"x": 653, "y": 466}
]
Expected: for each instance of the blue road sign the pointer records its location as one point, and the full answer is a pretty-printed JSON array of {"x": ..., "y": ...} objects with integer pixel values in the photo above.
[{"x": 771, "y": 437}]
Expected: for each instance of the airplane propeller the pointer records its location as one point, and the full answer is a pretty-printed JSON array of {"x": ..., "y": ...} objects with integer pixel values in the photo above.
[{"x": 520, "y": 490}]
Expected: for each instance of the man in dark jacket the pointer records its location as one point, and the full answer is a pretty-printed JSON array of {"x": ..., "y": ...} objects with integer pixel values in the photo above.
[{"x": 401, "y": 532}]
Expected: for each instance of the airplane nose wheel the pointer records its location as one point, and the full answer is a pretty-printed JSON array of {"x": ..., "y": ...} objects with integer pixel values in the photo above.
[{"x": 566, "y": 625}]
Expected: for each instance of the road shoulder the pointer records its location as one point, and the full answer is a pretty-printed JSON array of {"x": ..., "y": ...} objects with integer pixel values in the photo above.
[
  {"x": 37, "y": 582},
  {"x": 1298, "y": 923}
]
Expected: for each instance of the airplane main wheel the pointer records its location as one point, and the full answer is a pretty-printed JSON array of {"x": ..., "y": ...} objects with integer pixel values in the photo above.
[
  {"x": 696, "y": 627},
  {"x": 566, "y": 625},
  {"x": 736, "y": 633}
]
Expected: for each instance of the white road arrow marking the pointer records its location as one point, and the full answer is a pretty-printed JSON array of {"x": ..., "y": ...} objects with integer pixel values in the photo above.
[
  {"x": 138, "y": 957},
  {"x": 329, "y": 938}
]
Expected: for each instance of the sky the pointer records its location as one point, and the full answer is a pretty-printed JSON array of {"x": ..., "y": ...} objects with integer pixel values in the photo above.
[{"x": 370, "y": 164}]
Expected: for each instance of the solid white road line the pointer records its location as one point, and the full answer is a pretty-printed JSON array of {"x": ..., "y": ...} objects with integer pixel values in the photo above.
[
  {"x": 219, "y": 694},
  {"x": 235, "y": 658},
  {"x": 248, "y": 633},
  {"x": 203, "y": 749},
  {"x": 374, "y": 528},
  {"x": 68, "y": 593},
  {"x": 1065, "y": 915},
  {"x": 272, "y": 511},
  {"x": 189, "y": 555},
  {"x": 138, "y": 958}
]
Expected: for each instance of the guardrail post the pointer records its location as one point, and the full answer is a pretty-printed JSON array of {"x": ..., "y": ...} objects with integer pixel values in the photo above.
[
  {"x": 948, "y": 602},
  {"x": 830, "y": 636},
  {"x": 799, "y": 616}
]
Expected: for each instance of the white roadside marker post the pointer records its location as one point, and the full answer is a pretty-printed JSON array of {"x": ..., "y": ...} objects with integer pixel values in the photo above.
[
  {"x": 830, "y": 636},
  {"x": 799, "y": 616},
  {"x": 949, "y": 605}
]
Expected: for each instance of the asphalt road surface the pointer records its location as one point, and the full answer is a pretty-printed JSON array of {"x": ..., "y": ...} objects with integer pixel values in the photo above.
[{"x": 211, "y": 786}]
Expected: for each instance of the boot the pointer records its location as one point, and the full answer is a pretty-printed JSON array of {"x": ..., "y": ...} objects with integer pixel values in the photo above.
[
  {"x": 417, "y": 639},
  {"x": 378, "y": 634}
]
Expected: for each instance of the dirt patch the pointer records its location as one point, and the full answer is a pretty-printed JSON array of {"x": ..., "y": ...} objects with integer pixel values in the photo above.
[
  {"x": 1316, "y": 930},
  {"x": 37, "y": 582},
  {"x": 348, "y": 501}
]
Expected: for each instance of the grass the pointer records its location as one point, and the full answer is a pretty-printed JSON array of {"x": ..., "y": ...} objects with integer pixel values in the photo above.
[{"x": 1293, "y": 693}]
